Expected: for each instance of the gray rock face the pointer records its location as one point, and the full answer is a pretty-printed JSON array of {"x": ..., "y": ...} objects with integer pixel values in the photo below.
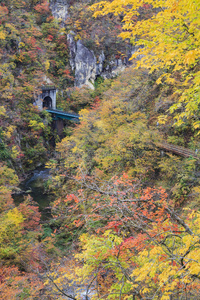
[
  {"x": 85, "y": 66},
  {"x": 99, "y": 69},
  {"x": 72, "y": 51},
  {"x": 60, "y": 9},
  {"x": 82, "y": 60}
]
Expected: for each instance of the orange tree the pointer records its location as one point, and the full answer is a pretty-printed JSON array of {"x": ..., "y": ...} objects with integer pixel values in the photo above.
[{"x": 133, "y": 245}]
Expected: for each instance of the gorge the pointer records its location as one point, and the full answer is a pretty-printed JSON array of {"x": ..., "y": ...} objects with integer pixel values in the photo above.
[{"x": 109, "y": 205}]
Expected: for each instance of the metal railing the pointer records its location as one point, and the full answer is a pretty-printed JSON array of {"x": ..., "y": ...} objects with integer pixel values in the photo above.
[{"x": 185, "y": 152}]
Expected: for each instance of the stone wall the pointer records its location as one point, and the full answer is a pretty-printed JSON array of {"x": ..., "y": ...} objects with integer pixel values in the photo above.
[{"x": 48, "y": 92}]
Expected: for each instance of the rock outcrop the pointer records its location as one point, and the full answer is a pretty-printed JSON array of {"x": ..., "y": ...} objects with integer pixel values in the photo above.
[
  {"x": 87, "y": 67},
  {"x": 60, "y": 9},
  {"x": 83, "y": 61}
]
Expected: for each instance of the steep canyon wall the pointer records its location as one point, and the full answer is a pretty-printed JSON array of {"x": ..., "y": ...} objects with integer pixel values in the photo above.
[{"x": 83, "y": 61}]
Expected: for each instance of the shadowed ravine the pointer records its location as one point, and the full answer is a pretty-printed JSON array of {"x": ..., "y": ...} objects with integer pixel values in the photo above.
[{"x": 35, "y": 187}]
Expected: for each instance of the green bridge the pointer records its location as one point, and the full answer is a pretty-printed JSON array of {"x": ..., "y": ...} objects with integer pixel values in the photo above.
[{"x": 59, "y": 114}]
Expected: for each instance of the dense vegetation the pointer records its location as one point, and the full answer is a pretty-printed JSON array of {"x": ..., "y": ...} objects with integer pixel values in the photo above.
[{"x": 125, "y": 220}]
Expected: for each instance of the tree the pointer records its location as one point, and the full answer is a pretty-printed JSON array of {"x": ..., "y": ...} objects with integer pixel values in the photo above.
[
  {"x": 167, "y": 39},
  {"x": 20, "y": 250},
  {"x": 32, "y": 48},
  {"x": 17, "y": 285},
  {"x": 136, "y": 244},
  {"x": 114, "y": 135}
]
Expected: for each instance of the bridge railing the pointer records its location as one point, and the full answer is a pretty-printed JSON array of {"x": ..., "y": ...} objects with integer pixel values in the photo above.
[
  {"x": 63, "y": 115},
  {"x": 185, "y": 152}
]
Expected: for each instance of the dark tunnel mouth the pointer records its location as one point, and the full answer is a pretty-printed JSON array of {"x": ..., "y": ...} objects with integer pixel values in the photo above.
[{"x": 47, "y": 102}]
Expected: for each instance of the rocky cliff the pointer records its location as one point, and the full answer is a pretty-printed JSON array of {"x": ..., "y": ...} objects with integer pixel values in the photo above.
[{"x": 86, "y": 65}]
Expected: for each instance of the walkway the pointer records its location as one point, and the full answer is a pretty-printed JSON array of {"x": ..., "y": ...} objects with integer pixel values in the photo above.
[{"x": 178, "y": 150}]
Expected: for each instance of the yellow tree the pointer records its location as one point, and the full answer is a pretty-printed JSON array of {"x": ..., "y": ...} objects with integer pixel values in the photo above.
[
  {"x": 162, "y": 263},
  {"x": 168, "y": 38}
]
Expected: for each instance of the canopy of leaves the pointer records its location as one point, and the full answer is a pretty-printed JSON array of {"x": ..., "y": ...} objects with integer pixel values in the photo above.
[
  {"x": 136, "y": 244},
  {"x": 168, "y": 40},
  {"x": 32, "y": 48},
  {"x": 114, "y": 135}
]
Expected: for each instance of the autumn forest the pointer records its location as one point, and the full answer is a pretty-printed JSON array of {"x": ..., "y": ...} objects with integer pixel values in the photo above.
[{"x": 124, "y": 222}]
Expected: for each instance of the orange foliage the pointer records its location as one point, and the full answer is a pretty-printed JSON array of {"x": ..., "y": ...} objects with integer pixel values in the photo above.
[{"x": 17, "y": 285}]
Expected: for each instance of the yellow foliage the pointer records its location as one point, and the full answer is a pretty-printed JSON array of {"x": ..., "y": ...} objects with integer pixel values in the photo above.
[
  {"x": 170, "y": 36},
  {"x": 10, "y": 231},
  {"x": 21, "y": 45},
  {"x": 14, "y": 152},
  {"x": 2, "y": 34},
  {"x": 47, "y": 65},
  {"x": 9, "y": 131},
  {"x": 2, "y": 111},
  {"x": 196, "y": 125},
  {"x": 191, "y": 57},
  {"x": 158, "y": 261},
  {"x": 8, "y": 177},
  {"x": 36, "y": 125},
  {"x": 156, "y": 271}
]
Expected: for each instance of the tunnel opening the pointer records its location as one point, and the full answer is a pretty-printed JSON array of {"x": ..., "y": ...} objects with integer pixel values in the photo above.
[{"x": 47, "y": 102}]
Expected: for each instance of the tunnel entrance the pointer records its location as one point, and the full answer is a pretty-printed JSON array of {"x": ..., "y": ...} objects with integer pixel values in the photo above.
[
  {"x": 47, "y": 102},
  {"x": 46, "y": 99}
]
